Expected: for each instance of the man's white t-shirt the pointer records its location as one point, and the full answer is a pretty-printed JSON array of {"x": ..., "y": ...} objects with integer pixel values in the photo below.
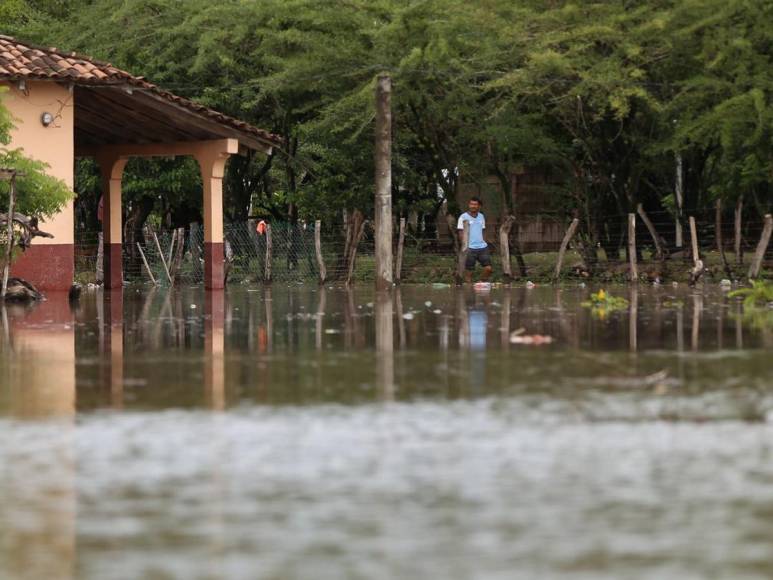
[{"x": 477, "y": 225}]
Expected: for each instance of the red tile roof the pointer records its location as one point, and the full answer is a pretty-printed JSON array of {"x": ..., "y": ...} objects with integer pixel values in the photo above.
[{"x": 21, "y": 61}]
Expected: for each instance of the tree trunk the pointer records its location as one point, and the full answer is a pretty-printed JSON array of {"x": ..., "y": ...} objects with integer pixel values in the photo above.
[
  {"x": 762, "y": 247},
  {"x": 564, "y": 245},
  {"x": 318, "y": 251},
  {"x": 656, "y": 239}
]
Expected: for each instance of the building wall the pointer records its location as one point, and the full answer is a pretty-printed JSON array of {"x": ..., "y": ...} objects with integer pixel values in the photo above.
[
  {"x": 540, "y": 225},
  {"x": 49, "y": 263}
]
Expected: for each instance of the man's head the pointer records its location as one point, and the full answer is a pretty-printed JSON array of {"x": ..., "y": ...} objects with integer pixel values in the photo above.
[{"x": 473, "y": 206}]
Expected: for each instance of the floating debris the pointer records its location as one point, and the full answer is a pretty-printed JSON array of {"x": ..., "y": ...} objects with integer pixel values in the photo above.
[
  {"x": 518, "y": 337},
  {"x": 193, "y": 307},
  {"x": 408, "y": 316},
  {"x": 530, "y": 285},
  {"x": 437, "y": 311},
  {"x": 428, "y": 304}
]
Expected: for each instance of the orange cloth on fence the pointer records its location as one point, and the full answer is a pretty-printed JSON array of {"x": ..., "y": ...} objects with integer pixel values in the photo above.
[{"x": 261, "y": 227}]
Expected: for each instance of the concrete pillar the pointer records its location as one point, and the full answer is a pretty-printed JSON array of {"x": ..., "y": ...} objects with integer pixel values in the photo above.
[
  {"x": 112, "y": 227},
  {"x": 212, "y": 159}
]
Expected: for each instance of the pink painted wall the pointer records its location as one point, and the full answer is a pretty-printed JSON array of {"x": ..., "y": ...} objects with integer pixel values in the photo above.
[{"x": 49, "y": 262}]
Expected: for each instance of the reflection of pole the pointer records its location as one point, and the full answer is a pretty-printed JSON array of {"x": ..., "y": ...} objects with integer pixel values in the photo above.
[
  {"x": 462, "y": 322},
  {"x": 680, "y": 328},
  {"x": 113, "y": 312},
  {"x": 385, "y": 358},
  {"x": 738, "y": 326},
  {"x": 697, "y": 307},
  {"x": 214, "y": 349},
  {"x": 633, "y": 319},
  {"x": 321, "y": 303},
  {"x": 400, "y": 319},
  {"x": 504, "y": 322}
]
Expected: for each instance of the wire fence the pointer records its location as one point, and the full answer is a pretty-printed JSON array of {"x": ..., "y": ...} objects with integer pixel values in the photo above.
[{"x": 288, "y": 254}]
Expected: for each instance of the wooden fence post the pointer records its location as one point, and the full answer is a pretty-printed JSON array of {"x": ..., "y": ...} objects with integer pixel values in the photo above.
[
  {"x": 632, "y": 247},
  {"x": 463, "y": 251},
  {"x": 762, "y": 246},
  {"x": 564, "y": 245},
  {"x": 696, "y": 256},
  {"x": 400, "y": 246},
  {"x": 318, "y": 251},
  {"x": 161, "y": 254},
  {"x": 737, "y": 231},
  {"x": 353, "y": 252},
  {"x": 99, "y": 275},
  {"x": 147, "y": 266},
  {"x": 269, "y": 252},
  {"x": 504, "y": 247}
]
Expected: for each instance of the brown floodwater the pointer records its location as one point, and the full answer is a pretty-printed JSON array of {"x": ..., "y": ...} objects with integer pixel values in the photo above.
[{"x": 304, "y": 432}]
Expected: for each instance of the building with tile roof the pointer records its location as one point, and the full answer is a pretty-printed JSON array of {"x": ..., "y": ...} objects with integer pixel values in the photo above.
[{"x": 67, "y": 105}]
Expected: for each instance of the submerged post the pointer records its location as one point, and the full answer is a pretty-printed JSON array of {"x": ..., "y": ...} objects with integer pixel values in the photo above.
[{"x": 383, "y": 162}]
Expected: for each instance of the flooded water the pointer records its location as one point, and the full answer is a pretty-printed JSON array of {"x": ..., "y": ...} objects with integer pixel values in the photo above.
[{"x": 324, "y": 433}]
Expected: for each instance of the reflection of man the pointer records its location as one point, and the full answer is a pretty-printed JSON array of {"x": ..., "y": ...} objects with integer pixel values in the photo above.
[{"x": 477, "y": 246}]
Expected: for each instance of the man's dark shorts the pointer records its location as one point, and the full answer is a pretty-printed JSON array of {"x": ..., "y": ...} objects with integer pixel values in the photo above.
[{"x": 481, "y": 256}]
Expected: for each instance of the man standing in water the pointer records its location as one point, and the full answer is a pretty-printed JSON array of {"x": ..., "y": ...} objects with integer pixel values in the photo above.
[{"x": 477, "y": 246}]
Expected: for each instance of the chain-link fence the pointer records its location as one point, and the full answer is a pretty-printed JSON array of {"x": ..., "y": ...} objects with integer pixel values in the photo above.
[{"x": 286, "y": 253}]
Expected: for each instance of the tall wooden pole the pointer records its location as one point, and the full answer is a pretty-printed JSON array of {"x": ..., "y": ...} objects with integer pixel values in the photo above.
[{"x": 383, "y": 162}]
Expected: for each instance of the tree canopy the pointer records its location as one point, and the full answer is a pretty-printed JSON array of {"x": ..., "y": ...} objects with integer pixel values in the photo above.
[{"x": 601, "y": 94}]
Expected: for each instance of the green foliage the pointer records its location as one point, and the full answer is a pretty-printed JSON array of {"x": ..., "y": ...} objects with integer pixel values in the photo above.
[
  {"x": 598, "y": 95},
  {"x": 760, "y": 294}
]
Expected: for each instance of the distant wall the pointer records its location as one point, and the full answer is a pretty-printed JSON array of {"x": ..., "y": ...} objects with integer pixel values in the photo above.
[
  {"x": 48, "y": 263},
  {"x": 540, "y": 227}
]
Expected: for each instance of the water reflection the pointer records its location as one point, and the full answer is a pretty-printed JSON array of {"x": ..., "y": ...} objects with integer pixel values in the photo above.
[
  {"x": 272, "y": 481},
  {"x": 185, "y": 348}
]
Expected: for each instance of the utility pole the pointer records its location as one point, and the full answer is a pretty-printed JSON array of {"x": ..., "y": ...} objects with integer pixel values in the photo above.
[{"x": 383, "y": 162}]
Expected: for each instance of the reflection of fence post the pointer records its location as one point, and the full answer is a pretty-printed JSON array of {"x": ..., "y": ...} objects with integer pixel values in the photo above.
[
  {"x": 318, "y": 251},
  {"x": 400, "y": 245},
  {"x": 269, "y": 249},
  {"x": 564, "y": 244},
  {"x": 463, "y": 251},
  {"x": 632, "y": 247},
  {"x": 754, "y": 270}
]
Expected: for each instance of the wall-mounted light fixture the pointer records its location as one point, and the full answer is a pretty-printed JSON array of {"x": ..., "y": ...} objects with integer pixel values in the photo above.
[{"x": 46, "y": 119}]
